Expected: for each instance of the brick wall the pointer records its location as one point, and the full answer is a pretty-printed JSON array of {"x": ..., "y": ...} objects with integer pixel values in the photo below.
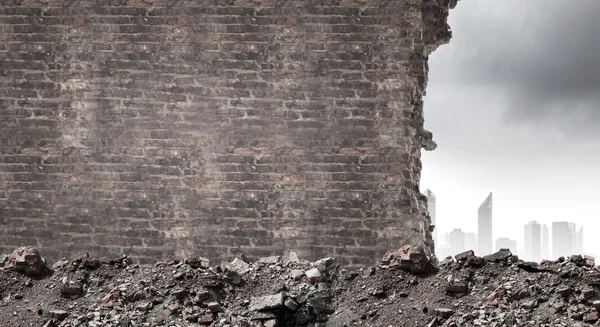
[{"x": 163, "y": 128}]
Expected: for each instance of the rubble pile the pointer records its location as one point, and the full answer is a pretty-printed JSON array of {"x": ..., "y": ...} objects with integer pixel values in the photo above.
[{"x": 406, "y": 289}]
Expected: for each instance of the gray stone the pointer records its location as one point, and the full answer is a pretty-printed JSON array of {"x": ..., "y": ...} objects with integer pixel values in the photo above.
[
  {"x": 596, "y": 305},
  {"x": 296, "y": 274},
  {"x": 314, "y": 275},
  {"x": 270, "y": 260},
  {"x": 293, "y": 257},
  {"x": 502, "y": 255},
  {"x": 444, "y": 312},
  {"x": 240, "y": 266},
  {"x": 530, "y": 304},
  {"x": 266, "y": 302}
]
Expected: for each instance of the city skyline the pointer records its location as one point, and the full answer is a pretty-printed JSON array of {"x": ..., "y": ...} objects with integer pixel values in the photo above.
[{"x": 567, "y": 239}]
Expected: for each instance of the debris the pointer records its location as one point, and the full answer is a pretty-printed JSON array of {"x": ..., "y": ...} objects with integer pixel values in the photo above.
[
  {"x": 266, "y": 302},
  {"x": 500, "y": 290}
]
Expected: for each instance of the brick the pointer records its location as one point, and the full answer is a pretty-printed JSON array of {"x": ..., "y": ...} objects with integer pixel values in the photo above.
[{"x": 163, "y": 125}]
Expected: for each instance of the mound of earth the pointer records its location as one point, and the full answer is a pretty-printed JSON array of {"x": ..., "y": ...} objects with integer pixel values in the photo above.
[{"x": 406, "y": 289}]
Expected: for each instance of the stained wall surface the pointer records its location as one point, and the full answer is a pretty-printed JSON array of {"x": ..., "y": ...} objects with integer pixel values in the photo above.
[{"x": 163, "y": 128}]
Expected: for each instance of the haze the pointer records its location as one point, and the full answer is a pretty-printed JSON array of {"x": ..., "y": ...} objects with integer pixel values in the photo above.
[{"x": 513, "y": 103}]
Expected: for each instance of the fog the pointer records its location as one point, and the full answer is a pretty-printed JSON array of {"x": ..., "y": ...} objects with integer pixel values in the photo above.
[{"x": 512, "y": 102}]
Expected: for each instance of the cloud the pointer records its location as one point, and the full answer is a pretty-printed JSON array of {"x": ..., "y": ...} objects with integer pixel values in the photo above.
[{"x": 544, "y": 59}]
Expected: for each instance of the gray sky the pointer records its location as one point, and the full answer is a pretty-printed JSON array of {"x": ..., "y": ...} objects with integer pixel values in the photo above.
[{"x": 514, "y": 105}]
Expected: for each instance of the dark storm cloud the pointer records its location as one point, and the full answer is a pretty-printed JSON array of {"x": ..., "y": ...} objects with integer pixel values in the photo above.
[{"x": 543, "y": 56}]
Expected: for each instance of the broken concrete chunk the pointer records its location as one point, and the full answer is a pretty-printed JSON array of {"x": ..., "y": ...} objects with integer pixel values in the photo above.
[
  {"x": 501, "y": 255},
  {"x": 71, "y": 289},
  {"x": 464, "y": 256},
  {"x": 240, "y": 266},
  {"x": 291, "y": 304},
  {"x": 565, "y": 291},
  {"x": 270, "y": 260},
  {"x": 457, "y": 288},
  {"x": 214, "y": 306},
  {"x": 266, "y": 302},
  {"x": 314, "y": 275},
  {"x": 293, "y": 257},
  {"x": 530, "y": 304},
  {"x": 296, "y": 274}
]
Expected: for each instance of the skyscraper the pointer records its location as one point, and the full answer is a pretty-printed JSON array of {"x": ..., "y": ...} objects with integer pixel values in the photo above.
[
  {"x": 563, "y": 239},
  {"x": 579, "y": 241},
  {"x": 470, "y": 241},
  {"x": 545, "y": 242},
  {"x": 484, "y": 226},
  {"x": 431, "y": 208},
  {"x": 506, "y": 243},
  {"x": 457, "y": 241},
  {"x": 533, "y": 241}
]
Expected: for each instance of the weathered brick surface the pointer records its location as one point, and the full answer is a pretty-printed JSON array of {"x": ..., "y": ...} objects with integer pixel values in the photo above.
[{"x": 180, "y": 127}]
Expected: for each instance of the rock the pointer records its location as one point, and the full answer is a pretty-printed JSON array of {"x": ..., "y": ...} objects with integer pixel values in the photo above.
[
  {"x": 240, "y": 266},
  {"x": 596, "y": 305},
  {"x": 457, "y": 287},
  {"x": 464, "y": 256},
  {"x": 591, "y": 317},
  {"x": 71, "y": 289},
  {"x": 314, "y": 275},
  {"x": 59, "y": 314},
  {"x": 412, "y": 259},
  {"x": 297, "y": 274},
  {"x": 293, "y": 257},
  {"x": 144, "y": 306},
  {"x": 214, "y": 306},
  {"x": 565, "y": 291},
  {"x": 171, "y": 309},
  {"x": 557, "y": 307},
  {"x": 476, "y": 261},
  {"x": 91, "y": 263},
  {"x": 530, "y": 304},
  {"x": 444, "y": 312},
  {"x": 26, "y": 261},
  {"x": 60, "y": 264},
  {"x": 291, "y": 304},
  {"x": 206, "y": 319},
  {"x": 502, "y": 255},
  {"x": 270, "y": 323},
  {"x": 260, "y": 303},
  {"x": 588, "y": 293},
  {"x": 270, "y": 260},
  {"x": 179, "y": 293}
]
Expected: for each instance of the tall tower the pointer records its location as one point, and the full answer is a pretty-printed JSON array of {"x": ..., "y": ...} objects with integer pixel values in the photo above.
[
  {"x": 457, "y": 241},
  {"x": 533, "y": 241},
  {"x": 545, "y": 242},
  {"x": 563, "y": 239},
  {"x": 431, "y": 208},
  {"x": 484, "y": 227}
]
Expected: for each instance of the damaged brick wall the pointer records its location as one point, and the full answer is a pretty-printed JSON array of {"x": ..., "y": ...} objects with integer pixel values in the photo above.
[{"x": 208, "y": 127}]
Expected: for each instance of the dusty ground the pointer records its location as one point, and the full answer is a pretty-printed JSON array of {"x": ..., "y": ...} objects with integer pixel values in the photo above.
[{"x": 472, "y": 292}]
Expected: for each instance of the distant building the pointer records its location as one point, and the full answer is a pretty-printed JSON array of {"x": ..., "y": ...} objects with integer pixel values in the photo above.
[
  {"x": 545, "y": 243},
  {"x": 533, "y": 241},
  {"x": 484, "y": 227},
  {"x": 506, "y": 243},
  {"x": 471, "y": 242},
  {"x": 431, "y": 208},
  {"x": 563, "y": 239},
  {"x": 579, "y": 242},
  {"x": 457, "y": 241},
  {"x": 442, "y": 250}
]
